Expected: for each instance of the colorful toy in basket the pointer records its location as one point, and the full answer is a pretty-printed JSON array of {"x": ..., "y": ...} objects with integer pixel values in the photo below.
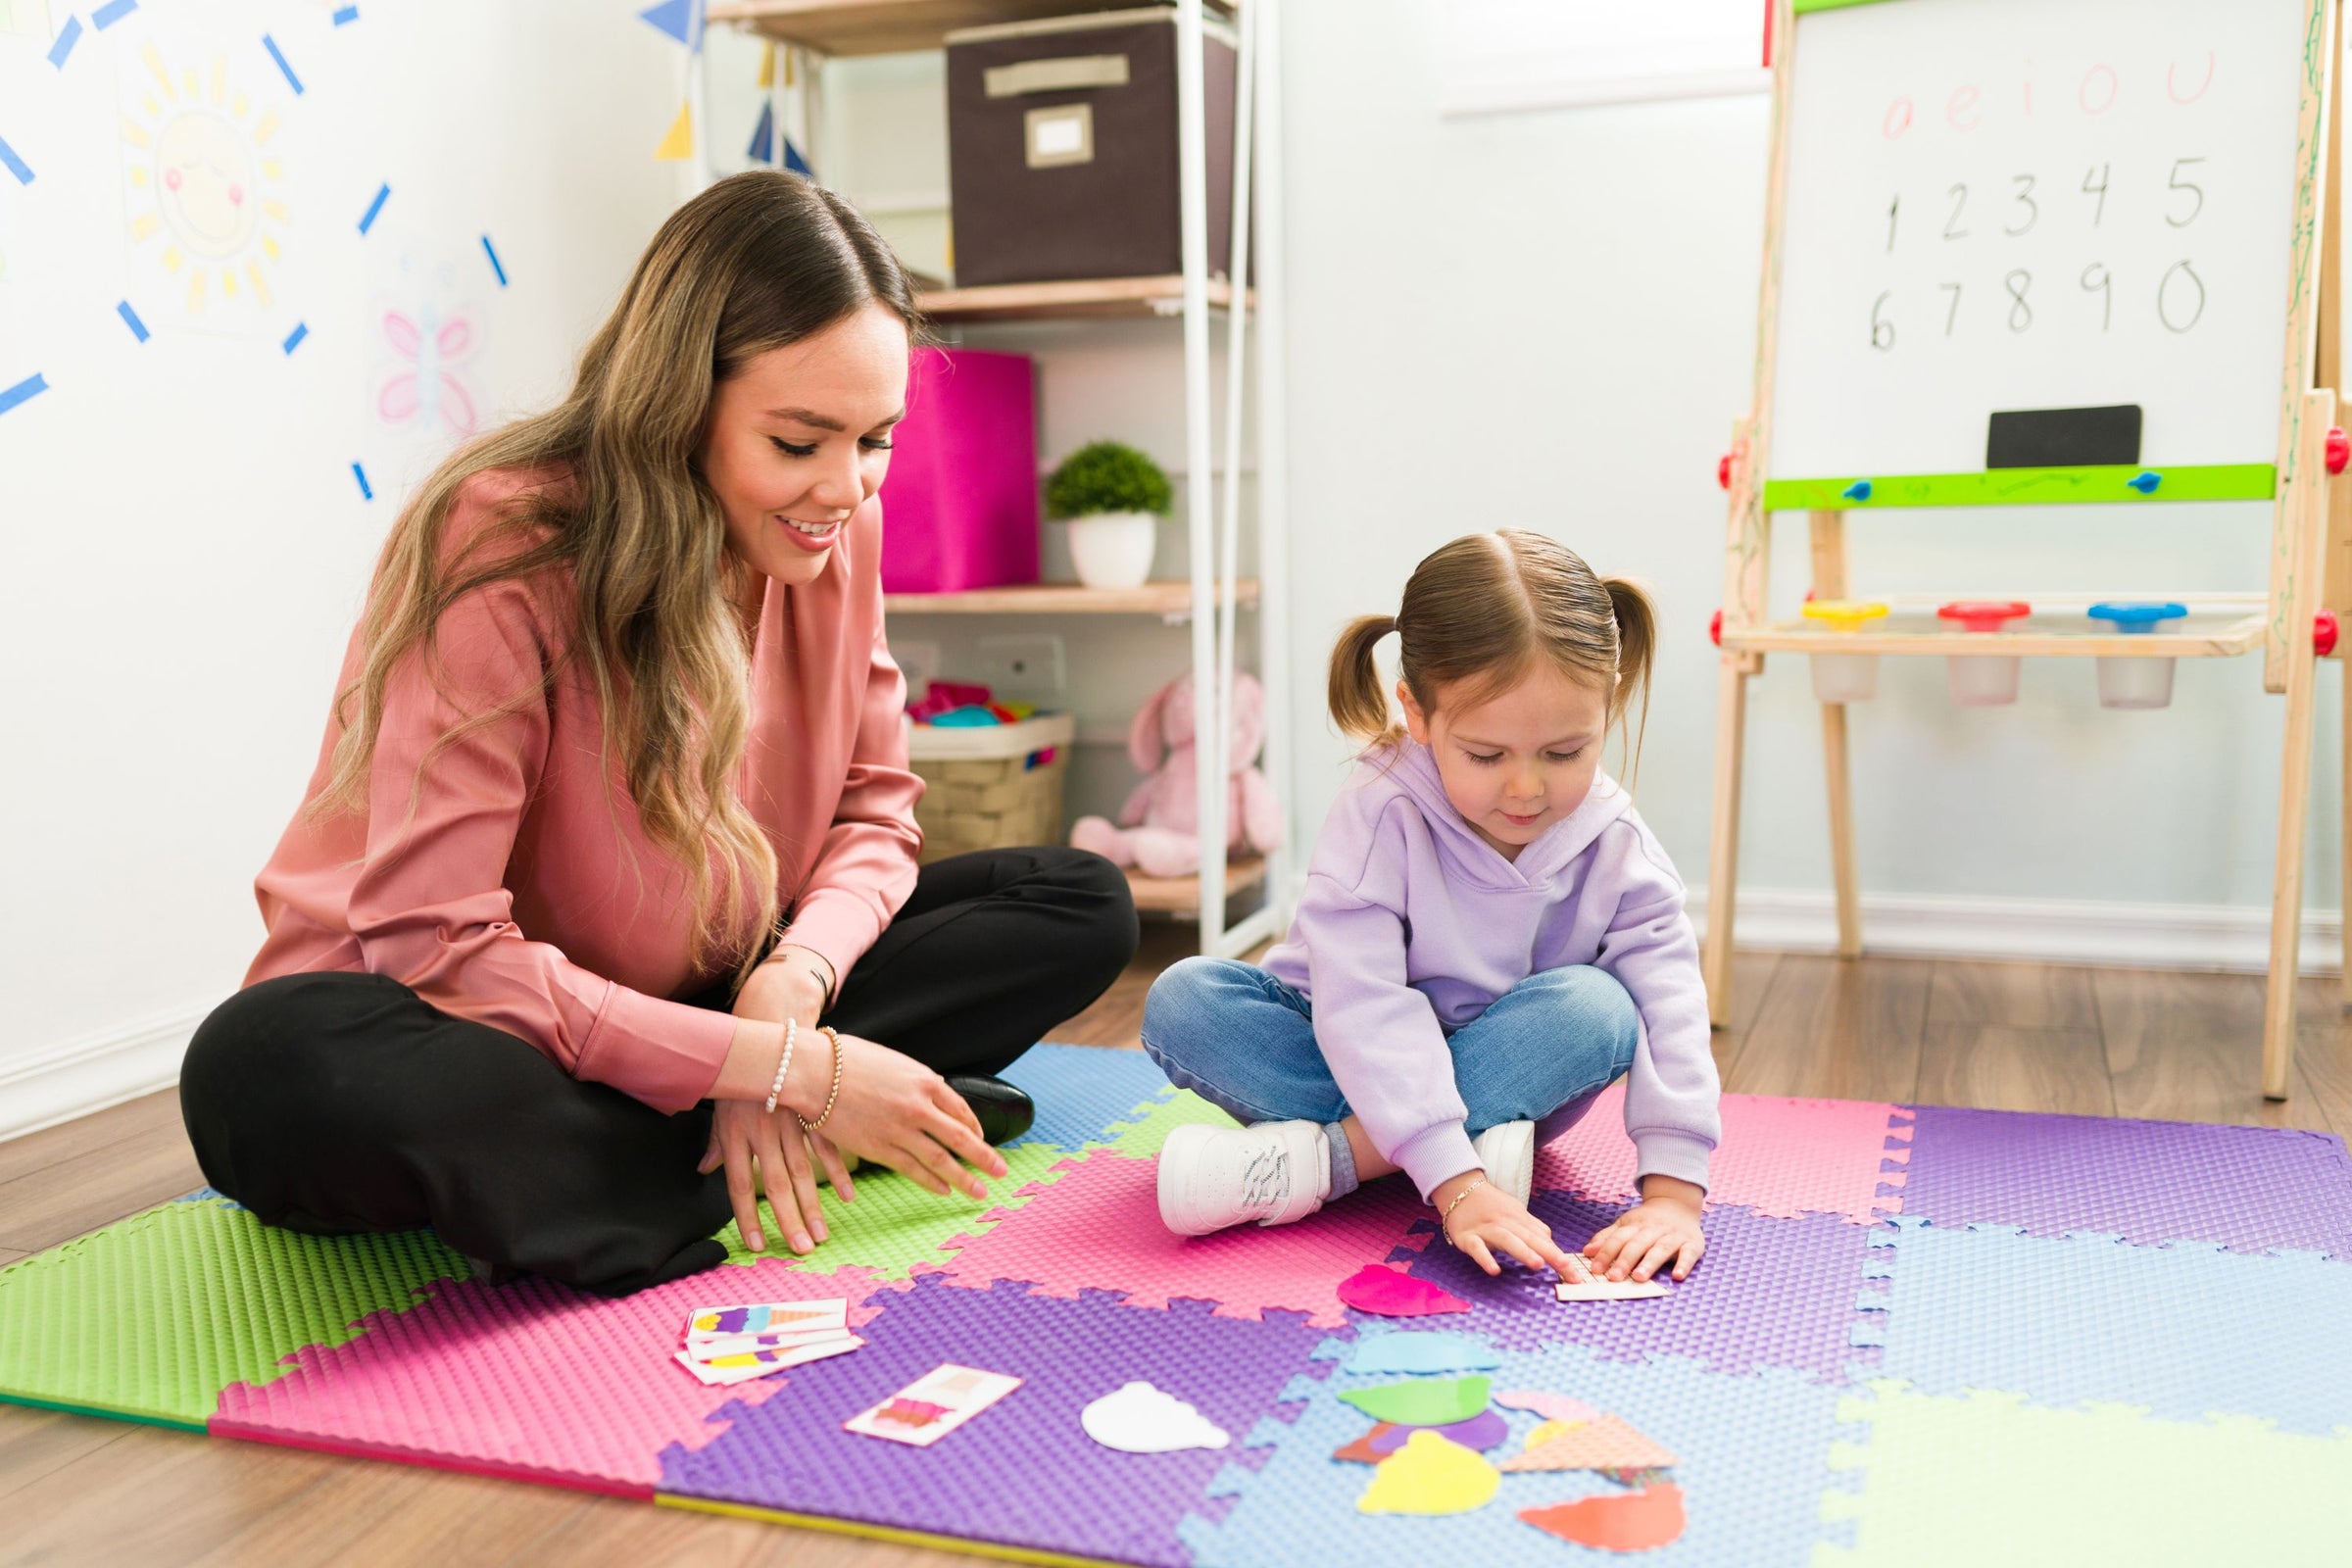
[{"x": 1159, "y": 830}]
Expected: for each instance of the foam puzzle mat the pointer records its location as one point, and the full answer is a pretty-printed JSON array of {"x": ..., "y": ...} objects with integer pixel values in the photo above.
[{"x": 1920, "y": 1337}]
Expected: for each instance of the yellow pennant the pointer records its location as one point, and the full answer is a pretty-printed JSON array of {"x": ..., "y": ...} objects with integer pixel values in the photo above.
[{"x": 680, "y": 143}]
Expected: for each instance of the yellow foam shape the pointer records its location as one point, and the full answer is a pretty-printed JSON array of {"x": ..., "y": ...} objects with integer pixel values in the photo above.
[{"x": 1430, "y": 1475}]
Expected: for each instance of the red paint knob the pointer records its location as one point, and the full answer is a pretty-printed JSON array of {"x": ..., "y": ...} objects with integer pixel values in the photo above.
[
  {"x": 1715, "y": 626},
  {"x": 2340, "y": 449},
  {"x": 2323, "y": 632},
  {"x": 1723, "y": 469}
]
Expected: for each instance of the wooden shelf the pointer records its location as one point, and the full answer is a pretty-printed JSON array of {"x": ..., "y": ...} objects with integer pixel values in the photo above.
[
  {"x": 887, "y": 27},
  {"x": 2200, "y": 634},
  {"x": 1079, "y": 299},
  {"x": 1166, "y": 598},
  {"x": 1181, "y": 895}
]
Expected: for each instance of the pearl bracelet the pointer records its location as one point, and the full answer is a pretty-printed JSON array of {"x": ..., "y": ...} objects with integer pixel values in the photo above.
[{"x": 775, "y": 1090}]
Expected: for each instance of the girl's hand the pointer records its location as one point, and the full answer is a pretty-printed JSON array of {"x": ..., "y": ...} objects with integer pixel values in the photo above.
[
  {"x": 771, "y": 1151},
  {"x": 1489, "y": 1220},
  {"x": 898, "y": 1113},
  {"x": 1662, "y": 1229}
]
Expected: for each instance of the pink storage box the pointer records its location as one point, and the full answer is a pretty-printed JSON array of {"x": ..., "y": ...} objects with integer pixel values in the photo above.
[{"x": 959, "y": 504}]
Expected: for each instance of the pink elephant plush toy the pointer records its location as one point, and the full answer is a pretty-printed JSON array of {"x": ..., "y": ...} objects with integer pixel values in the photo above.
[{"x": 1159, "y": 831}]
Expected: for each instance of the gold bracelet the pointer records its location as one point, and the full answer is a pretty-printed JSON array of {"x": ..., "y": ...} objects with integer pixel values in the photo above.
[
  {"x": 1474, "y": 1186},
  {"x": 835, "y": 1092}
]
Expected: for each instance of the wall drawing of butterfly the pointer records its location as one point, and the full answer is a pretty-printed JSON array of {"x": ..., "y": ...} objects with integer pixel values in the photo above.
[{"x": 426, "y": 385}]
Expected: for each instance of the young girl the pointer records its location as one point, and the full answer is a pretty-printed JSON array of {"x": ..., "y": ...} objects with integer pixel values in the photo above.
[{"x": 1488, "y": 938}]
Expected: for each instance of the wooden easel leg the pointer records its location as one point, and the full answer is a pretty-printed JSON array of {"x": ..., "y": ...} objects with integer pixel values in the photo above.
[
  {"x": 1841, "y": 829},
  {"x": 2344, "y": 830},
  {"x": 1723, "y": 853},
  {"x": 2301, "y": 599}
]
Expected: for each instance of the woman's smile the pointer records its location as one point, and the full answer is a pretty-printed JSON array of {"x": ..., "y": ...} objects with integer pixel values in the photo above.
[{"x": 814, "y": 537}]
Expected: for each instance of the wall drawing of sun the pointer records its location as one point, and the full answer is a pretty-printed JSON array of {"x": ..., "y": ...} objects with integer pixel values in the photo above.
[{"x": 207, "y": 188}]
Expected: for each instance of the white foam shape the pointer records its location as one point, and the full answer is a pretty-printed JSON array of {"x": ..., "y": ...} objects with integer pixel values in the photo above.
[{"x": 1140, "y": 1418}]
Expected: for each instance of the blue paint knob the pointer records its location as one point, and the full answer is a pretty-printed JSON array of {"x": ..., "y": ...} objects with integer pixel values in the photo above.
[
  {"x": 2145, "y": 481},
  {"x": 1859, "y": 490}
]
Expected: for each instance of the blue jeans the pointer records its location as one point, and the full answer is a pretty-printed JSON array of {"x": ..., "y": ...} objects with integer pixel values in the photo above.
[{"x": 1245, "y": 1042}]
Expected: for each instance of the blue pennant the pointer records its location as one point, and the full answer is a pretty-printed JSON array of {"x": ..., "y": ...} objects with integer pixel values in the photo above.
[
  {"x": 763, "y": 137},
  {"x": 794, "y": 162},
  {"x": 680, "y": 19}
]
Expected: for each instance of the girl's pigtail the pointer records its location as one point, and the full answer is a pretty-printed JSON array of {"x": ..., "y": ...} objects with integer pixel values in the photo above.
[
  {"x": 1637, "y": 646},
  {"x": 1357, "y": 704}
]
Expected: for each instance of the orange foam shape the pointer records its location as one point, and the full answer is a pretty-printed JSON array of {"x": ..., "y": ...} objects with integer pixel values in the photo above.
[
  {"x": 1639, "y": 1522},
  {"x": 1607, "y": 1443}
]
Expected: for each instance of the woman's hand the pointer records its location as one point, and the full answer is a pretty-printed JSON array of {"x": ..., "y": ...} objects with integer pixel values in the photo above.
[
  {"x": 770, "y": 1151},
  {"x": 898, "y": 1113},
  {"x": 1488, "y": 1221},
  {"x": 1662, "y": 1229}
]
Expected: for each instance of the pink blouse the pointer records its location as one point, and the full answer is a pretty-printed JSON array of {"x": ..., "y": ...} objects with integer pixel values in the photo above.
[{"x": 511, "y": 882}]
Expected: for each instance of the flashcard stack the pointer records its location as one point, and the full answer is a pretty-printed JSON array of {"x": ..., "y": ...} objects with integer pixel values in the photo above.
[{"x": 728, "y": 1344}]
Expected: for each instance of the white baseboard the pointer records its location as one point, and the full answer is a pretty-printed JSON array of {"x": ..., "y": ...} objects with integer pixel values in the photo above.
[
  {"x": 93, "y": 1073},
  {"x": 2153, "y": 936}
]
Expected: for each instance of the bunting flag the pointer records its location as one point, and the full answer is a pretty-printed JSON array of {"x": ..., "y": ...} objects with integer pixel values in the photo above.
[
  {"x": 763, "y": 137},
  {"x": 682, "y": 20},
  {"x": 678, "y": 145}
]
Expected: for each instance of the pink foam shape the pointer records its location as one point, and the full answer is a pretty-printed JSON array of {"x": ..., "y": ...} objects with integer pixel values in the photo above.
[
  {"x": 1393, "y": 1293},
  {"x": 1780, "y": 1157},
  {"x": 527, "y": 1379},
  {"x": 1099, "y": 1228},
  {"x": 1550, "y": 1406}
]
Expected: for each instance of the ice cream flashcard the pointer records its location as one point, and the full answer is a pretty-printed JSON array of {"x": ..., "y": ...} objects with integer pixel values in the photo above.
[
  {"x": 1591, "y": 1287},
  {"x": 712, "y": 1349},
  {"x": 724, "y": 1370},
  {"x": 766, "y": 1317},
  {"x": 933, "y": 1405}
]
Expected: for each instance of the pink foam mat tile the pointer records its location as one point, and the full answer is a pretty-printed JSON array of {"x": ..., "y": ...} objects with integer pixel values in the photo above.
[
  {"x": 1779, "y": 1158},
  {"x": 529, "y": 1380},
  {"x": 1099, "y": 1228}
]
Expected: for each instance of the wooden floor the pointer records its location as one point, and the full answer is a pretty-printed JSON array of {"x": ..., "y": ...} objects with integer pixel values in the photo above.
[{"x": 2013, "y": 1037}]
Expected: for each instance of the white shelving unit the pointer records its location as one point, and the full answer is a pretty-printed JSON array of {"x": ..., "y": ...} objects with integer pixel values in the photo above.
[{"x": 1213, "y": 596}]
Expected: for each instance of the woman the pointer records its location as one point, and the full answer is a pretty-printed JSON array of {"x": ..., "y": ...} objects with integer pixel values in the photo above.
[{"x": 619, "y": 726}]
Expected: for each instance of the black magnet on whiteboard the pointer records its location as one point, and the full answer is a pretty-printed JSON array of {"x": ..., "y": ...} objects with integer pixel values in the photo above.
[
  {"x": 2145, "y": 481},
  {"x": 2062, "y": 438},
  {"x": 1859, "y": 490}
]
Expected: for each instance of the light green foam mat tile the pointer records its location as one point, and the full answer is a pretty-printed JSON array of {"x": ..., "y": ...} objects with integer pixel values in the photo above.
[
  {"x": 152, "y": 1317},
  {"x": 1143, "y": 1138},
  {"x": 1990, "y": 1479},
  {"x": 895, "y": 1226}
]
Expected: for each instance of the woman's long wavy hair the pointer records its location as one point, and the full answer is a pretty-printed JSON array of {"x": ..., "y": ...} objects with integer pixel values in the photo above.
[{"x": 756, "y": 261}]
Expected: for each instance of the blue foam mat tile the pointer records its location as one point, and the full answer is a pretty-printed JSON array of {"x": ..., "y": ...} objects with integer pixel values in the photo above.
[
  {"x": 1753, "y": 1455},
  {"x": 2185, "y": 1331},
  {"x": 1082, "y": 1092}
]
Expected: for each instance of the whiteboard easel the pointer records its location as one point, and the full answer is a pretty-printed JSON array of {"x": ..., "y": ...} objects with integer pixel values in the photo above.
[{"x": 1826, "y": 418}]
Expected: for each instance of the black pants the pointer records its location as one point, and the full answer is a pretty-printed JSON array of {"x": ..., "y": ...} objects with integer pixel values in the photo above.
[{"x": 337, "y": 1102}]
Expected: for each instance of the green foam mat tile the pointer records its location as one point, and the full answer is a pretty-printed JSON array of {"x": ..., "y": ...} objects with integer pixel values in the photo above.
[
  {"x": 150, "y": 1318},
  {"x": 1142, "y": 1138},
  {"x": 1987, "y": 1477},
  {"x": 895, "y": 1226}
]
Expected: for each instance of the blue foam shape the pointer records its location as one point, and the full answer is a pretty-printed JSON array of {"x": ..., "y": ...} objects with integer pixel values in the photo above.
[
  {"x": 113, "y": 11},
  {"x": 1753, "y": 1455},
  {"x": 1421, "y": 1351},
  {"x": 15, "y": 165},
  {"x": 285, "y": 69},
  {"x": 1082, "y": 1092},
  {"x": 63, "y": 44},
  {"x": 2186, "y": 1331}
]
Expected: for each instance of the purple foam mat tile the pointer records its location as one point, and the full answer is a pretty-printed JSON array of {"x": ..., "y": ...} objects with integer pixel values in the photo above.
[
  {"x": 2249, "y": 1189},
  {"x": 1023, "y": 1473},
  {"x": 1769, "y": 1293}
]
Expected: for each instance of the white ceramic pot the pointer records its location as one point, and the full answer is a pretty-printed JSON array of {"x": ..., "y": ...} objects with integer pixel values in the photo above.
[{"x": 1112, "y": 549}]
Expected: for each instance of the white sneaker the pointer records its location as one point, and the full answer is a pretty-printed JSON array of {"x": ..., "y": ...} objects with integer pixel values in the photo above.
[
  {"x": 1213, "y": 1177},
  {"x": 1507, "y": 1151}
]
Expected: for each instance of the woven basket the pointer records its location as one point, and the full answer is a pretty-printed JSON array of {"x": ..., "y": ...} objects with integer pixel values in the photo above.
[{"x": 991, "y": 788}]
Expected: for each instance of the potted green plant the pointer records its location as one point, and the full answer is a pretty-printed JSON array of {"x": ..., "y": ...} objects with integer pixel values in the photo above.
[{"x": 1111, "y": 496}]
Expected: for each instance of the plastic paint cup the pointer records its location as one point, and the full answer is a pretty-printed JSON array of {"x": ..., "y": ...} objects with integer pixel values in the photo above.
[
  {"x": 1846, "y": 677},
  {"x": 2135, "y": 682},
  {"x": 1983, "y": 680}
]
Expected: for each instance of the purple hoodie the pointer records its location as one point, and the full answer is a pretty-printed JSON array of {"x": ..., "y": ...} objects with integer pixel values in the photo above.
[{"x": 1395, "y": 858}]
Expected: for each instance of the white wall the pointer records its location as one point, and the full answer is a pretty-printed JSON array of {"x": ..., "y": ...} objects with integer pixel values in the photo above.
[
  {"x": 1546, "y": 319},
  {"x": 182, "y": 543}
]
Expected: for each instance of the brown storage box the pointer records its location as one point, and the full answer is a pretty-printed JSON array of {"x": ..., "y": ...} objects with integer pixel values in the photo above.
[
  {"x": 1061, "y": 148},
  {"x": 991, "y": 788}
]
